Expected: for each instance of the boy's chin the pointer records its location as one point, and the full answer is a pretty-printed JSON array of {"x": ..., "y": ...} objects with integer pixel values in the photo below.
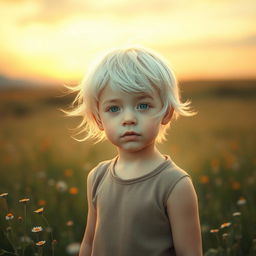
[{"x": 131, "y": 147}]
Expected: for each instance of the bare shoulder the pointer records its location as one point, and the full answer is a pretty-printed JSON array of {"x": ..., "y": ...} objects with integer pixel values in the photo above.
[
  {"x": 183, "y": 189},
  {"x": 182, "y": 208},
  {"x": 183, "y": 197}
]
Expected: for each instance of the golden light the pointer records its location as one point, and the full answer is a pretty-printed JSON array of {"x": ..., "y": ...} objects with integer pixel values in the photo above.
[{"x": 204, "y": 39}]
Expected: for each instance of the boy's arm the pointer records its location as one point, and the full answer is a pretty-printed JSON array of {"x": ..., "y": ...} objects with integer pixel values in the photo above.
[
  {"x": 182, "y": 208},
  {"x": 86, "y": 245}
]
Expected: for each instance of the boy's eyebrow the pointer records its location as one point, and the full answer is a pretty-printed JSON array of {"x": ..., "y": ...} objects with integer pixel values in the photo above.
[
  {"x": 144, "y": 96},
  {"x": 140, "y": 97}
]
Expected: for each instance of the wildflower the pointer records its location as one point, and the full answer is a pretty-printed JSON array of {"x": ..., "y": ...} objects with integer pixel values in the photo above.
[
  {"x": 214, "y": 230},
  {"x": 9, "y": 216},
  {"x": 225, "y": 235},
  {"x": 9, "y": 229},
  {"x": 40, "y": 243},
  {"x": 215, "y": 164},
  {"x": 37, "y": 229},
  {"x": 54, "y": 242},
  {"x": 204, "y": 179},
  {"x": 25, "y": 239},
  {"x": 230, "y": 160},
  {"x": 251, "y": 180},
  {"x": 51, "y": 182},
  {"x": 236, "y": 166},
  {"x": 61, "y": 186},
  {"x": 41, "y": 174},
  {"x": 70, "y": 223},
  {"x": 235, "y": 185},
  {"x": 73, "y": 248},
  {"x": 236, "y": 214},
  {"x": 68, "y": 172},
  {"x": 225, "y": 225},
  {"x": 3, "y": 195},
  {"x": 48, "y": 229},
  {"x": 241, "y": 201},
  {"x": 24, "y": 200},
  {"x": 41, "y": 202},
  {"x": 73, "y": 190},
  {"x": 39, "y": 211},
  {"x": 218, "y": 181},
  {"x": 204, "y": 228},
  {"x": 212, "y": 252}
]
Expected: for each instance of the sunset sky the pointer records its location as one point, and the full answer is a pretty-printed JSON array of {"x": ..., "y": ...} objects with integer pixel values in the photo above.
[{"x": 56, "y": 40}]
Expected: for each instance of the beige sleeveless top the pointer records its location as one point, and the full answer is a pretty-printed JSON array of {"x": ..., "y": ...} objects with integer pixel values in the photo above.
[{"x": 132, "y": 218}]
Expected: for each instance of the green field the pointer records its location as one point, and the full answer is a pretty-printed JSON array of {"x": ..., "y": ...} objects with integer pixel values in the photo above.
[{"x": 40, "y": 161}]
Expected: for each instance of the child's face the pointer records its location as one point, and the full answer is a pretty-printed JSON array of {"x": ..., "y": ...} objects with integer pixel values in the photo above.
[{"x": 122, "y": 112}]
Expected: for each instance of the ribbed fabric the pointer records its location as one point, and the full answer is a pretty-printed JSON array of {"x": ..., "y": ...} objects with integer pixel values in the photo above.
[{"x": 132, "y": 219}]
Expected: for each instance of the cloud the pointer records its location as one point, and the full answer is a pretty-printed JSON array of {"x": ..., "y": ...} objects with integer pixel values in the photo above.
[
  {"x": 244, "y": 41},
  {"x": 211, "y": 43},
  {"x": 55, "y": 11},
  {"x": 247, "y": 41},
  {"x": 13, "y": 1}
]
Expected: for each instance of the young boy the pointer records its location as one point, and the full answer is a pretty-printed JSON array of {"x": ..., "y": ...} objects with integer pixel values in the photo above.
[{"x": 140, "y": 203}]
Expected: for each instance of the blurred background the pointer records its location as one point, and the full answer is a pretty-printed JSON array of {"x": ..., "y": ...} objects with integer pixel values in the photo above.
[{"x": 211, "y": 45}]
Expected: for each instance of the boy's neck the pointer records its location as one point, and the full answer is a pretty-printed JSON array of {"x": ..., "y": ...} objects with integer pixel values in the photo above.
[{"x": 147, "y": 155}]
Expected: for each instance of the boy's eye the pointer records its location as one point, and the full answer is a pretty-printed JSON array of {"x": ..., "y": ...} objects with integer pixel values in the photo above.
[
  {"x": 113, "y": 108},
  {"x": 143, "y": 106}
]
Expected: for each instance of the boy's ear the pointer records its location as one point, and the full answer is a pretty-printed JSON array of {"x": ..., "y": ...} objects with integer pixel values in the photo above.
[
  {"x": 99, "y": 123},
  {"x": 168, "y": 116}
]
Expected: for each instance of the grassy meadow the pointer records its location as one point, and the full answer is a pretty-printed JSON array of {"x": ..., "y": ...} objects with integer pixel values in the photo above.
[{"x": 43, "y": 170}]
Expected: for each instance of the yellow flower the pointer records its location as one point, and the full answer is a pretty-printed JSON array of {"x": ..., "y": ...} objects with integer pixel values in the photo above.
[
  {"x": 37, "y": 229},
  {"x": 39, "y": 211},
  {"x": 204, "y": 179},
  {"x": 24, "y": 200},
  {"x": 3, "y": 195},
  {"x": 214, "y": 230},
  {"x": 40, "y": 243},
  {"x": 225, "y": 225},
  {"x": 9, "y": 216},
  {"x": 73, "y": 190}
]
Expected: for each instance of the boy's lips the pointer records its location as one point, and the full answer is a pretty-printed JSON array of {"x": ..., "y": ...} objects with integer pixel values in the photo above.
[{"x": 130, "y": 133}]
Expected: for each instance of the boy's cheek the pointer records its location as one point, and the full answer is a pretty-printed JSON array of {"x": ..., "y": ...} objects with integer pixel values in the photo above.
[
  {"x": 111, "y": 130},
  {"x": 152, "y": 128}
]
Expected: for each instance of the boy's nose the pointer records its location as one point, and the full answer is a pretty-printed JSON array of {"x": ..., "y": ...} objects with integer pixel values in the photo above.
[{"x": 129, "y": 118}]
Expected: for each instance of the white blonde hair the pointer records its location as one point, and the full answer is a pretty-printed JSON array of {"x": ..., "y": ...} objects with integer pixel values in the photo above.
[{"x": 132, "y": 70}]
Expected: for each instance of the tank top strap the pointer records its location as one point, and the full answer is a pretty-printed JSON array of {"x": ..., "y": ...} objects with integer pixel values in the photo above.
[{"x": 98, "y": 176}]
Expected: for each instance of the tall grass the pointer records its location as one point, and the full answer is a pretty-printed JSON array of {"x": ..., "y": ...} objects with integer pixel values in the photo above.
[
  {"x": 225, "y": 186},
  {"x": 43, "y": 172}
]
